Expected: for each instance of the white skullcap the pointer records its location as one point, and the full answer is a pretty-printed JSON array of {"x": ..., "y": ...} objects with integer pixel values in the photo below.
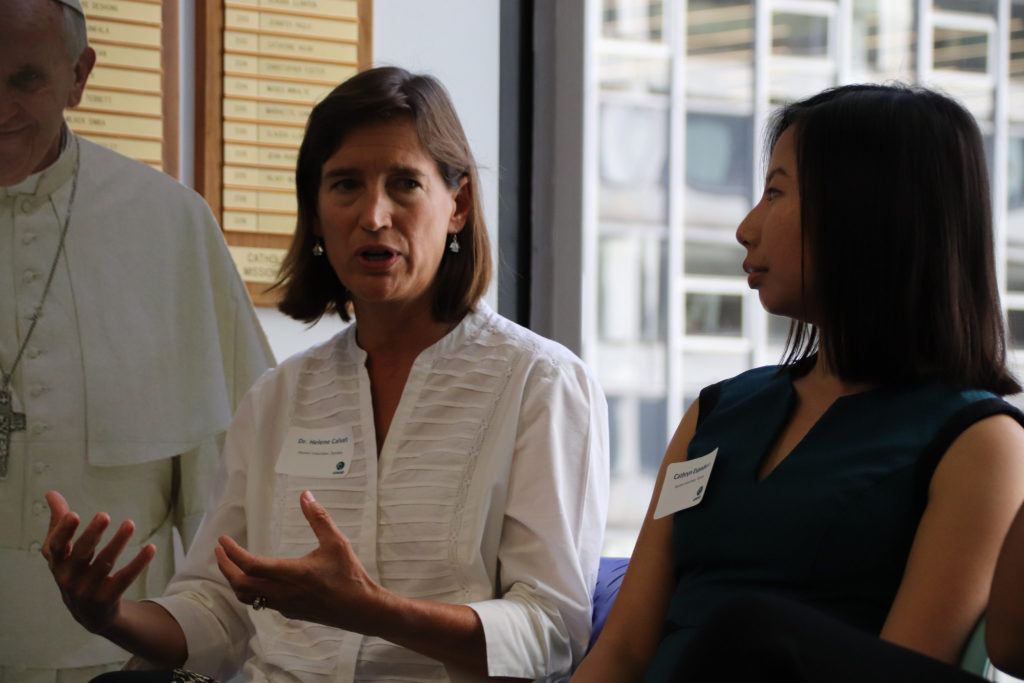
[{"x": 73, "y": 4}]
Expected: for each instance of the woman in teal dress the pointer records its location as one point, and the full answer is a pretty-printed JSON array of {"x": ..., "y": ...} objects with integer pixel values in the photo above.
[{"x": 873, "y": 474}]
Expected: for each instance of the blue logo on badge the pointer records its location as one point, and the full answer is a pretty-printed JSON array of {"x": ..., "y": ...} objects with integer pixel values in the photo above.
[{"x": 340, "y": 467}]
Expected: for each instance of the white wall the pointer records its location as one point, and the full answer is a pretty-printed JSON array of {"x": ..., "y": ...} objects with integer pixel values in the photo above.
[{"x": 458, "y": 42}]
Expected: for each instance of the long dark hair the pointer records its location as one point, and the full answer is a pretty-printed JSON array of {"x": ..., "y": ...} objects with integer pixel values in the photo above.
[
  {"x": 311, "y": 288},
  {"x": 895, "y": 214}
]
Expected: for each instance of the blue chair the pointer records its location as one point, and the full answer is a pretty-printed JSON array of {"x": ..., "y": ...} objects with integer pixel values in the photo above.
[{"x": 609, "y": 579}]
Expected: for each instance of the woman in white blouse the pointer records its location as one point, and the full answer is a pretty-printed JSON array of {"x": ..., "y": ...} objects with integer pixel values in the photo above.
[{"x": 422, "y": 497}]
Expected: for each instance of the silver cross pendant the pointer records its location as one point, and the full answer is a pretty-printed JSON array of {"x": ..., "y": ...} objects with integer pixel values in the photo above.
[{"x": 10, "y": 421}]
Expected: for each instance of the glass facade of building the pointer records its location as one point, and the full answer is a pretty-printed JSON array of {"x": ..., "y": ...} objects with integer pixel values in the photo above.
[{"x": 684, "y": 90}]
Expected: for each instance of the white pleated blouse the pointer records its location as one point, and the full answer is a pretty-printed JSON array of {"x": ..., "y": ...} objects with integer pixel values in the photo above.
[{"x": 490, "y": 490}]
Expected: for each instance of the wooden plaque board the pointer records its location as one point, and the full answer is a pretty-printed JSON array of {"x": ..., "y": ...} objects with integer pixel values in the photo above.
[
  {"x": 261, "y": 65},
  {"x": 131, "y": 100}
]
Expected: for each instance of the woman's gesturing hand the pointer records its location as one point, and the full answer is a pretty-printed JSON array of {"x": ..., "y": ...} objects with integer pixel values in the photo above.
[
  {"x": 328, "y": 585},
  {"x": 88, "y": 584}
]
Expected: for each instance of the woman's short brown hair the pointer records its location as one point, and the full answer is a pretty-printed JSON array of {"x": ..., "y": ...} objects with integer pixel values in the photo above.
[{"x": 310, "y": 286}]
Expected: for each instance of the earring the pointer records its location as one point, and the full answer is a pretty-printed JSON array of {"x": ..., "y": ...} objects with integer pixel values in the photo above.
[
  {"x": 453, "y": 246},
  {"x": 318, "y": 248}
]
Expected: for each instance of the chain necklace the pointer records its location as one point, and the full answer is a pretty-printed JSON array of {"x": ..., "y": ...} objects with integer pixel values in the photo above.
[{"x": 11, "y": 421}]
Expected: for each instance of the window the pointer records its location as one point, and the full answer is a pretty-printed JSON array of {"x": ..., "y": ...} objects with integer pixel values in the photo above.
[
  {"x": 633, "y": 19},
  {"x": 961, "y": 50},
  {"x": 799, "y": 35},
  {"x": 683, "y": 92},
  {"x": 714, "y": 315},
  {"x": 883, "y": 41}
]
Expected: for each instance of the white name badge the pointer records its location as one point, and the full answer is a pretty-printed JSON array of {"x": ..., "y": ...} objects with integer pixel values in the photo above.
[
  {"x": 316, "y": 452},
  {"x": 685, "y": 484}
]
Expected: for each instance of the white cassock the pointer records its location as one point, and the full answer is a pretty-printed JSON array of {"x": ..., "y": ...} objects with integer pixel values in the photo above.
[{"x": 146, "y": 343}]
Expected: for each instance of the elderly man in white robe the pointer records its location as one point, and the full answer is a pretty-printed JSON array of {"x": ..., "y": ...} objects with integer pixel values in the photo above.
[{"x": 126, "y": 339}]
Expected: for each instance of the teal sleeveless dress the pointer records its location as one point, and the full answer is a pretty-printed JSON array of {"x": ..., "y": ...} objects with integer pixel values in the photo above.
[{"x": 832, "y": 525}]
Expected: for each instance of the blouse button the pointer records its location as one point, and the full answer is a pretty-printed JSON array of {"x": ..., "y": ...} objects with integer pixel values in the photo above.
[{"x": 28, "y": 238}]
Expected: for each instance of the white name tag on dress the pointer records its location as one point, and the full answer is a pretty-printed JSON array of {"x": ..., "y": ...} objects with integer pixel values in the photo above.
[
  {"x": 316, "y": 452},
  {"x": 685, "y": 484}
]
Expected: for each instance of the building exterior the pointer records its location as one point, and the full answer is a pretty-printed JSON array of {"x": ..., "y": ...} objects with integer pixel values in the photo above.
[{"x": 684, "y": 88}]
